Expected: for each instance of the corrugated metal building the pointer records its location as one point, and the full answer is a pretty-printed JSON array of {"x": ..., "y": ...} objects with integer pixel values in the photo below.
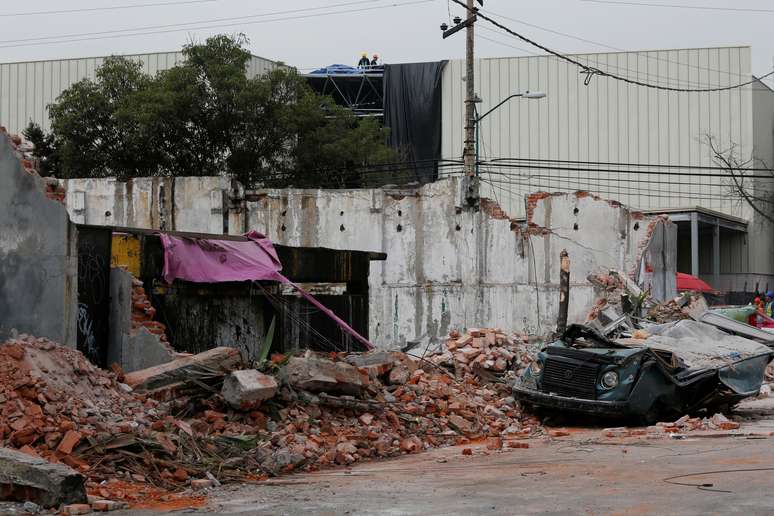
[
  {"x": 622, "y": 125},
  {"x": 27, "y": 88}
]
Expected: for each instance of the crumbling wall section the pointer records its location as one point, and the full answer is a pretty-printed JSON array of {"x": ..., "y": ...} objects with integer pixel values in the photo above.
[
  {"x": 38, "y": 256},
  {"x": 136, "y": 341},
  {"x": 451, "y": 268},
  {"x": 447, "y": 267},
  {"x": 195, "y": 204}
]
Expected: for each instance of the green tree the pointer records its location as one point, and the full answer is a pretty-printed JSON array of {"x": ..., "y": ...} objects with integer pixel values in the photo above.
[
  {"x": 205, "y": 117},
  {"x": 45, "y": 148},
  {"x": 94, "y": 127}
]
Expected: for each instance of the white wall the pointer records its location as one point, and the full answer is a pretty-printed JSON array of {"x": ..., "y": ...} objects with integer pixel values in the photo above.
[
  {"x": 446, "y": 267},
  {"x": 608, "y": 121}
]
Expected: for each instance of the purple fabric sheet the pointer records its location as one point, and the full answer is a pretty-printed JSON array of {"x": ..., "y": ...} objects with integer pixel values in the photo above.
[{"x": 217, "y": 261}]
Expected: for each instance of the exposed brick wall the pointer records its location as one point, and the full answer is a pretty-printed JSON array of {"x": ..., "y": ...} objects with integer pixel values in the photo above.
[
  {"x": 143, "y": 312},
  {"x": 23, "y": 150}
]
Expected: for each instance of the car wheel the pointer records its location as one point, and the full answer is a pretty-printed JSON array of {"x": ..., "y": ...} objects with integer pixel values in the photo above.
[{"x": 654, "y": 414}]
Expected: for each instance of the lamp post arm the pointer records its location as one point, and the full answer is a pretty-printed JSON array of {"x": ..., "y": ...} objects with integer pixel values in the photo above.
[{"x": 506, "y": 99}]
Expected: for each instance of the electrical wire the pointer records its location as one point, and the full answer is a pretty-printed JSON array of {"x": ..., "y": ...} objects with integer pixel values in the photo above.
[
  {"x": 592, "y": 71},
  {"x": 170, "y": 28},
  {"x": 569, "y": 168},
  {"x": 283, "y": 307},
  {"x": 648, "y": 55},
  {"x": 112, "y": 8},
  {"x": 706, "y": 486},
  {"x": 525, "y": 189},
  {"x": 602, "y": 188},
  {"x": 646, "y": 182},
  {"x": 682, "y": 6},
  {"x": 479, "y": 36},
  {"x": 627, "y": 164}
]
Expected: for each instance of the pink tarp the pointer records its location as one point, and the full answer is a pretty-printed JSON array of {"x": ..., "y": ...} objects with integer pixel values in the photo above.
[{"x": 216, "y": 261}]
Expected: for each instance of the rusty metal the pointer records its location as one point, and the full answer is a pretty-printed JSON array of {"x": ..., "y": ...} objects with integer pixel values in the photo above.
[{"x": 564, "y": 292}]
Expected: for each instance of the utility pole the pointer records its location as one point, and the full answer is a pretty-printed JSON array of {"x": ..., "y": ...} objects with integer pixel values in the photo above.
[{"x": 470, "y": 184}]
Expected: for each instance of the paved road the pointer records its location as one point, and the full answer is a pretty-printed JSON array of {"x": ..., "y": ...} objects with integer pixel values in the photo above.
[
  {"x": 583, "y": 473},
  {"x": 578, "y": 474}
]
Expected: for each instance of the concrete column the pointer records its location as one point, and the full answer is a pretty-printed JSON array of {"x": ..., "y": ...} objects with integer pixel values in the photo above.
[
  {"x": 695, "y": 244},
  {"x": 716, "y": 255}
]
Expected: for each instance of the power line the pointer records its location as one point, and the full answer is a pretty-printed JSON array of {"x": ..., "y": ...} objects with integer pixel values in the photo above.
[
  {"x": 181, "y": 24},
  {"x": 682, "y": 6},
  {"x": 591, "y": 71},
  {"x": 526, "y": 189},
  {"x": 170, "y": 28},
  {"x": 532, "y": 187},
  {"x": 506, "y": 44},
  {"x": 614, "y": 67},
  {"x": 620, "y": 186},
  {"x": 625, "y": 164},
  {"x": 113, "y": 8},
  {"x": 647, "y": 55},
  {"x": 612, "y": 171}
]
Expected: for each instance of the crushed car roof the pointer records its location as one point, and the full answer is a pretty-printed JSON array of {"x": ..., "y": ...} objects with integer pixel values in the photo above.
[{"x": 698, "y": 345}]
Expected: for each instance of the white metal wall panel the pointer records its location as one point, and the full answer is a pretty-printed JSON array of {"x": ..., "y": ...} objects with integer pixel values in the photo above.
[
  {"x": 26, "y": 89},
  {"x": 607, "y": 121}
]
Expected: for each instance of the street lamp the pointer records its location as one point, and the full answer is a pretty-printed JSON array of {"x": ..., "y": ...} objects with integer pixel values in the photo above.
[{"x": 526, "y": 95}]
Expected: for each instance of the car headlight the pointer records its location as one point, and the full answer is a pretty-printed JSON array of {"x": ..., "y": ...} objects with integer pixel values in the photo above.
[
  {"x": 536, "y": 368},
  {"x": 610, "y": 380}
]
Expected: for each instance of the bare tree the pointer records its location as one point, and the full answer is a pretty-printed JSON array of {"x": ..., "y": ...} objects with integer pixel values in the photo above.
[{"x": 745, "y": 184}]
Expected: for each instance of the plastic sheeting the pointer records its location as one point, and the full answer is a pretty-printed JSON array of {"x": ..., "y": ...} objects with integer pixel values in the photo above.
[
  {"x": 412, "y": 111},
  {"x": 202, "y": 260},
  {"x": 337, "y": 69}
]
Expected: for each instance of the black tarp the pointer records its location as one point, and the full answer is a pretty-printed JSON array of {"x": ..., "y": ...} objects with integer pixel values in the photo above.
[{"x": 412, "y": 111}]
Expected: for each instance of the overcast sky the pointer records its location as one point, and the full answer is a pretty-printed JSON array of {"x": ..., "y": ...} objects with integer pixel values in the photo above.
[{"x": 313, "y": 33}]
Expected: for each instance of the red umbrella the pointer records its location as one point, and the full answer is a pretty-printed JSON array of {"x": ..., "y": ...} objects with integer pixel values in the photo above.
[{"x": 688, "y": 282}]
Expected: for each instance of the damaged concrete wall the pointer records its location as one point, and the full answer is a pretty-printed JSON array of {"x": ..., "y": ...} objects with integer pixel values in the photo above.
[
  {"x": 447, "y": 267},
  {"x": 131, "y": 347},
  {"x": 193, "y": 204},
  {"x": 38, "y": 257},
  {"x": 452, "y": 268}
]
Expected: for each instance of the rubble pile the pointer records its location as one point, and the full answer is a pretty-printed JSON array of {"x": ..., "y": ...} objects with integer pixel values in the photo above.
[
  {"x": 667, "y": 312},
  {"x": 52, "y": 399},
  {"x": 683, "y": 425},
  {"x": 204, "y": 419},
  {"x": 485, "y": 352},
  {"x": 340, "y": 409}
]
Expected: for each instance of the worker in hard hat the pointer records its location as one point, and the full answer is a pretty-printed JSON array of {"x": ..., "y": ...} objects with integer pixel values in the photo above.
[
  {"x": 769, "y": 310},
  {"x": 364, "y": 62},
  {"x": 375, "y": 60}
]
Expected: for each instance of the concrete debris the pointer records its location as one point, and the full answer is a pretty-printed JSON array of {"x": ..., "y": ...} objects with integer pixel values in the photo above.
[
  {"x": 185, "y": 370},
  {"x": 683, "y": 425},
  {"x": 246, "y": 389},
  {"x": 52, "y": 397},
  {"x": 667, "y": 312},
  {"x": 486, "y": 352},
  {"x": 325, "y": 410},
  {"x": 313, "y": 374},
  {"x": 25, "y": 478}
]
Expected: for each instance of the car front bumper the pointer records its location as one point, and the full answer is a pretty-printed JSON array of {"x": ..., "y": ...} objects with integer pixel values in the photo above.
[{"x": 553, "y": 401}]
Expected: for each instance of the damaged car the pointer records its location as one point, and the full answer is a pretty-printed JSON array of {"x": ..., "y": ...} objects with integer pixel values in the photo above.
[{"x": 667, "y": 370}]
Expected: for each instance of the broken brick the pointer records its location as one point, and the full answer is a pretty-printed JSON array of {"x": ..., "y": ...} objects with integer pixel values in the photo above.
[{"x": 69, "y": 441}]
